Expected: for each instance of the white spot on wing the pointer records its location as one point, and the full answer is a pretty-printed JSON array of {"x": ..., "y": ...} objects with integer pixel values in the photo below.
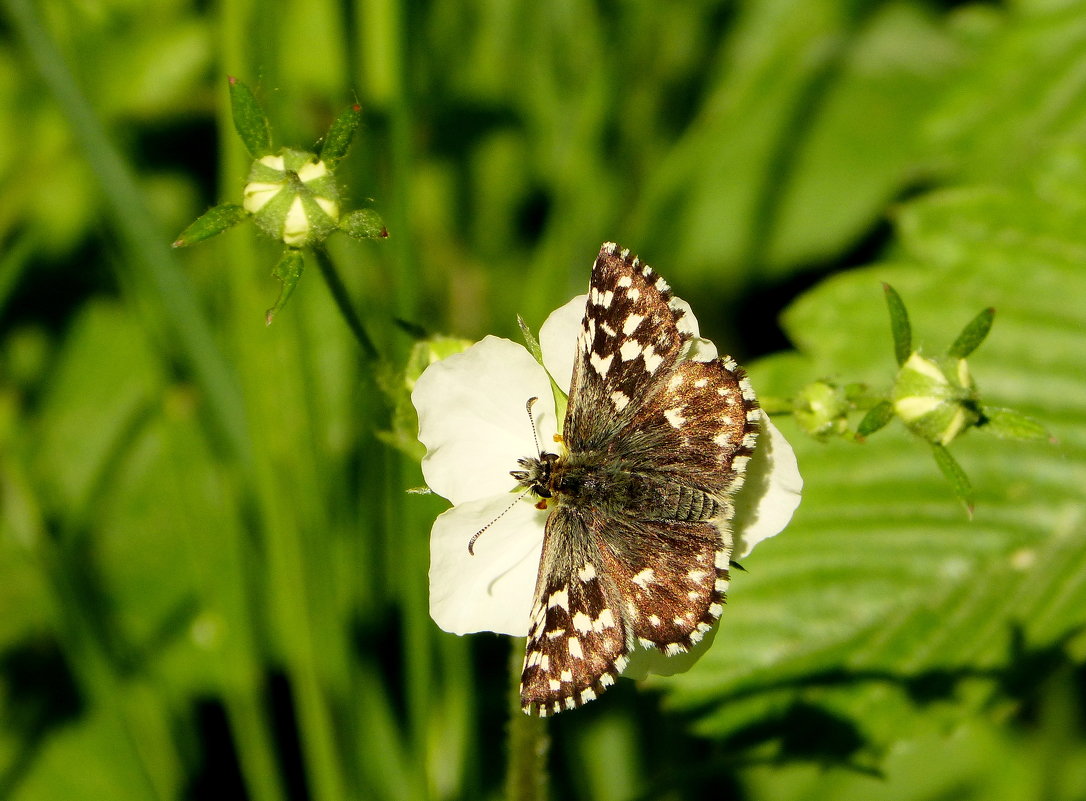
[
  {"x": 631, "y": 323},
  {"x": 582, "y": 622},
  {"x": 675, "y": 417},
  {"x": 559, "y": 599},
  {"x": 601, "y": 364},
  {"x": 652, "y": 360},
  {"x": 587, "y": 573},
  {"x": 620, "y": 400},
  {"x": 574, "y": 645},
  {"x": 630, "y": 350},
  {"x": 644, "y": 578},
  {"x": 723, "y": 440}
]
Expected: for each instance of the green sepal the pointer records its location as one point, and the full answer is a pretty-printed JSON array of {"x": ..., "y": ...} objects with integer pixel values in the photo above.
[
  {"x": 249, "y": 119},
  {"x": 288, "y": 270},
  {"x": 972, "y": 335},
  {"x": 211, "y": 223},
  {"x": 364, "y": 224},
  {"x": 532, "y": 344},
  {"x": 1009, "y": 424},
  {"x": 877, "y": 416},
  {"x": 338, "y": 139},
  {"x": 959, "y": 481},
  {"x": 530, "y": 341},
  {"x": 899, "y": 324}
]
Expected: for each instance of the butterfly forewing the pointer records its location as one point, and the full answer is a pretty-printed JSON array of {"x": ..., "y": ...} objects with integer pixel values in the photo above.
[
  {"x": 637, "y": 544},
  {"x": 628, "y": 340}
]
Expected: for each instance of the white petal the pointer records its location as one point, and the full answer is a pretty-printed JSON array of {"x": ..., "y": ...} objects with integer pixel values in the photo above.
[
  {"x": 492, "y": 590},
  {"x": 770, "y": 493},
  {"x": 472, "y": 419},
  {"x": 558, "y": 340},
  {"x": 688, "y": 323}
]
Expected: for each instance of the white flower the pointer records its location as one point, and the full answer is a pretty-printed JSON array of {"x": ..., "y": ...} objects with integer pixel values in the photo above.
[{"x": 472, "y": 420}]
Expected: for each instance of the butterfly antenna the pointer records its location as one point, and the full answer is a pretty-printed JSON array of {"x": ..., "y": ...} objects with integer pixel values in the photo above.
[
  {"x": 475, "y": 536},
  {"x": 531, "y": 419}
]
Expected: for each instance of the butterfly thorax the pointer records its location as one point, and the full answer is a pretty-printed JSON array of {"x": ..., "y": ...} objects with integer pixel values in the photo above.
[{"x": 596, "y": 479}]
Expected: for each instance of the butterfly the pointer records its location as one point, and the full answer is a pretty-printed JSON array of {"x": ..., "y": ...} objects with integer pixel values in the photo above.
[{"x": 637, "y": 542}]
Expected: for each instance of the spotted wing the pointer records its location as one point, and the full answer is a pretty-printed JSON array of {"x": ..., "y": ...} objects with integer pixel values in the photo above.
[
  {"x": 604, "y": 581},
  {"x": 629, "y": 339},
  {"x": 577, "y": 643}
]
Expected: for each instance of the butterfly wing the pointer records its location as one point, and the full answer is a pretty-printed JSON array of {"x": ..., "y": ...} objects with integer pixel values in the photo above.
[
  {"x": 629, "y": 339},
  {"x": 576, "y": 640},
  {"x": 664, "y": 443}
]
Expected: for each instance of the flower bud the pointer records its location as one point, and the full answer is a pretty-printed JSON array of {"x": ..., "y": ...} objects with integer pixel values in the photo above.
[
  {"x": 936, "y": 401},
  {"x": 821, "y": 409},
  {"x": 293, "y": 197}
]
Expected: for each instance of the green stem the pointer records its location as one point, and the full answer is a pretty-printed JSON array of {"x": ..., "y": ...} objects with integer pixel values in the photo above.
[
  {"x": 343, "y": 302},
  {"x": 529, "y": 741}
]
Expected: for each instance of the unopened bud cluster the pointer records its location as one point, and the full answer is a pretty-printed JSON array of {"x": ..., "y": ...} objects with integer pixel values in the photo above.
[{"x": 292, "y": 195}]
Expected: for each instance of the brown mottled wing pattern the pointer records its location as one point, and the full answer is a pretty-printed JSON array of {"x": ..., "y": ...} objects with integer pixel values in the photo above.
[{"x": 637, "y": 544}]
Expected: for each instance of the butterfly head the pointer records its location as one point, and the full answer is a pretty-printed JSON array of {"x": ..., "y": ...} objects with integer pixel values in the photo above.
[{"x": 537, "y": 474}]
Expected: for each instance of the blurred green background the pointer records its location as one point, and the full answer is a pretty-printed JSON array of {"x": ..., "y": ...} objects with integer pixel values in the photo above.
[{"x": 212, "y": 582}]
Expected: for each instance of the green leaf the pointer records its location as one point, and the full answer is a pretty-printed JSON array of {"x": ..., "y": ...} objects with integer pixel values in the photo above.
[
  {"x": 364, "y": 224},
  {"x": 877, "y": 417},
  {"x": 959, "y": 481},
  {"x": 899, "y": 325},
  {"x": 288, "y": 270},
  {"x": 211, "y": 223},
  {"x": 249, "y": 119},
  {"x": 974, "y": 333},
  {"x": 1010, "y": 424},
  {"x": 338, "y": 139}
]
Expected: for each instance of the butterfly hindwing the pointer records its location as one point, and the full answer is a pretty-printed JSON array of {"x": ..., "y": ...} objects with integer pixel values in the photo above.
[{"x": 577, "y": 643}]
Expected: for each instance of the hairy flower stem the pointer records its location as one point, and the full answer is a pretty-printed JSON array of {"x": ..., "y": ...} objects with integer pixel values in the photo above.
[
  {"x": 343, "y": 302},
  {"x": 528, "y": 740}
]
